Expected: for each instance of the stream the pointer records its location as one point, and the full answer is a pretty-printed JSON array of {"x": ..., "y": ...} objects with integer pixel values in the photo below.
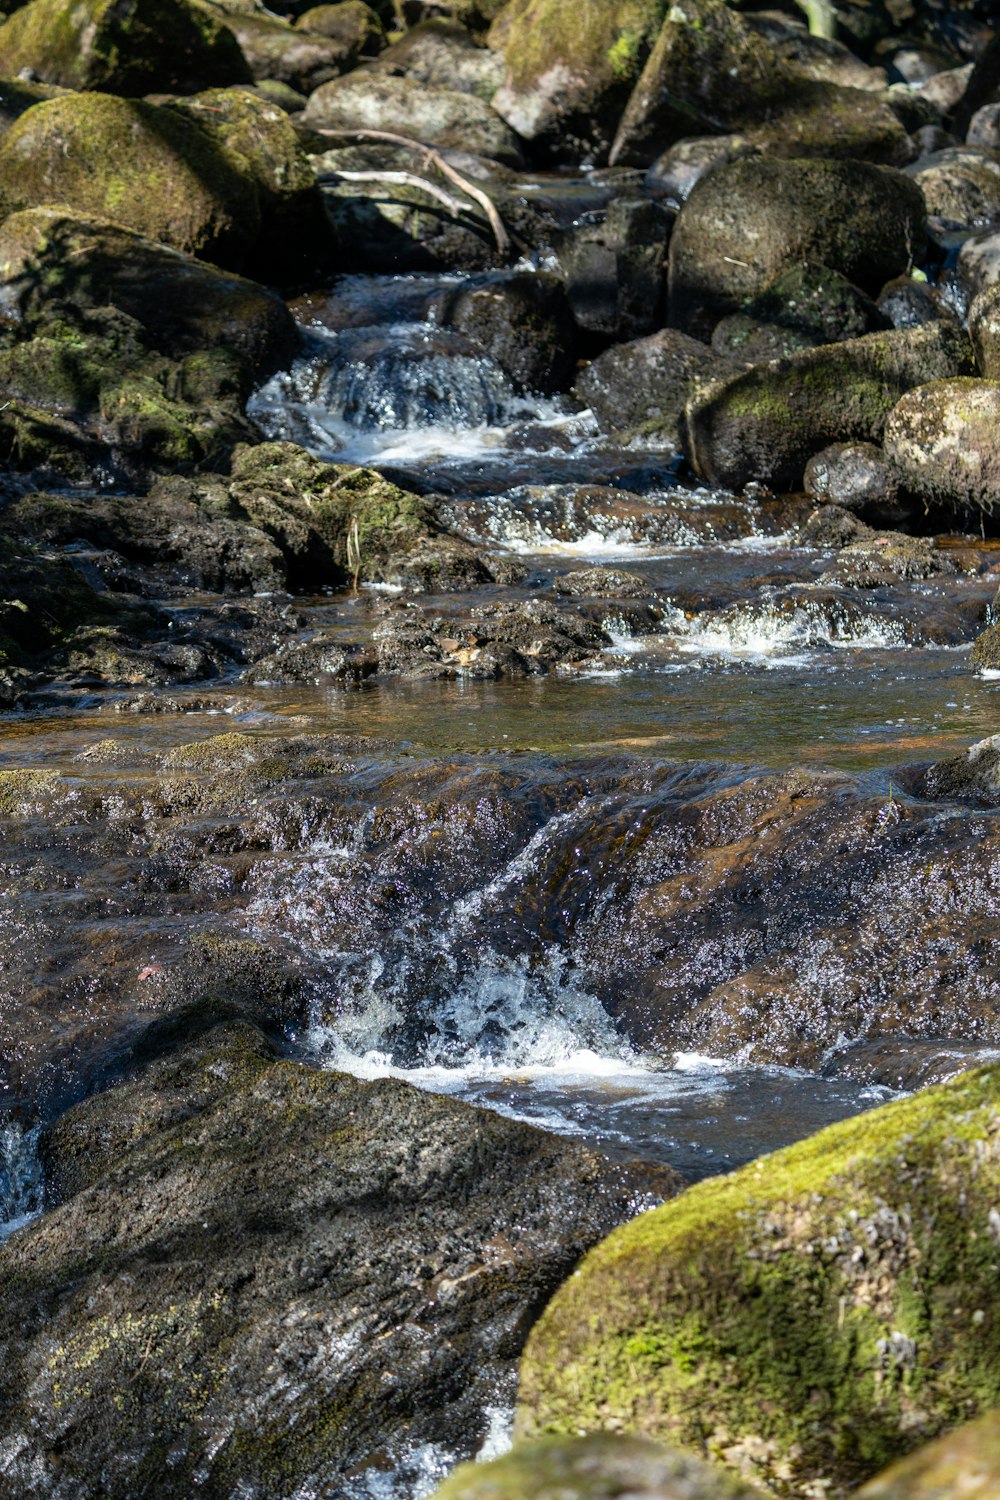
[{"x": 447, "y": 898}]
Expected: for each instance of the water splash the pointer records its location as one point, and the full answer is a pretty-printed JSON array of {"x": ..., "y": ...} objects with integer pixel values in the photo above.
[{"x": 21, "y": 1184}]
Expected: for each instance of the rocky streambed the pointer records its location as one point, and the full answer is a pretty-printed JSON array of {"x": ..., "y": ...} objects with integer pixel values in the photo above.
[{"x": 499, "y": 674}]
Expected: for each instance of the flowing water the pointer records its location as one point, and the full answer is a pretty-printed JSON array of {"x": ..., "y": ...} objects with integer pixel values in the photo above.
[{"x": 455, "y": 946}]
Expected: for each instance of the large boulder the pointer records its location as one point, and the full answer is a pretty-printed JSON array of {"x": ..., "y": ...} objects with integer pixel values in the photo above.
[
  {"x": 711, "y": 71},
  {"x": 261, "y": 1277},
  {"x": 941, "y": 439},
  {"x": 805, "y": 1319},
  {"x": 767, "y": 422},
  {"x": 121, "y": 46},
  {"x": 751, "y": 219},
  {"x": 149, "y": 169},
  {"x": 984, "y": 330},
  {"x": 647, "y": 381},
  {"x": 302, "y": 59},
  {"x": 600, "y": 1467},
  {"x": 436, "y": 117},
  {"x": 570, "y": 68}
]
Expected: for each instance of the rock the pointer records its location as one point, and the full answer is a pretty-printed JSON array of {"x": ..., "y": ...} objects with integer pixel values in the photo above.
[
  {"x": 946, "y": 88},
  {"x": 369, "y": 1252},
  {"x": 818, "y": 1312},
  {"x": 965, "y": 1462},
  {"x": 748, "y": 221},
  {"x": 814, "y": 57},
  {"x": 978, "y": 265},
  {"x": 766, "y": 423},
  {"x": 302, "y": 59},
  {"x": 807, "y": 305},
  {"x": 676, "y": 171},
  {"x": 983, "y": 86},
  {"x": 16, "y": 96},
  {"x": 975, "y": 775},
  {"x": 908, "y": 302},
  {"x": 985, "y": 656},
  {"x": 121, "y": 46},
  {"x": 647, "y": 381},
  {"x": 604, "y": 583},
  {"x": 877, "y": 561},
  {"x": 598, "y": 1467},
  {"x": 570, "y": 70},
  {"x": 712, "y": 71},
  {"x": 941, "y": 440},
  {"x": 350, "y": 23},
  {"x": 256, "y": 135},
  {"x": 855, "y": 476},
  {"x": 512, "y": 641},
  {"x": 984, "y": 330},
  {"x": 149, "y": 169},
  {"x": 441, "y": 55},
  {"x": 52, "y": 261},
  {"x": 524, "y": 323},
  {"x": 437, "y": 117},
  {"x": 614, "y": 269},
  {"x": 984, "y": 128},
  {"x": 288, "y": 100},
  {"x": 961, "y": 186}
]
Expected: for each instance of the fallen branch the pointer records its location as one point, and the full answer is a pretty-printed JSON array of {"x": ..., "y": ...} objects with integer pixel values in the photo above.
[
  {"x": 477, "y": 194},
  {"x": 402, "y": 179}
]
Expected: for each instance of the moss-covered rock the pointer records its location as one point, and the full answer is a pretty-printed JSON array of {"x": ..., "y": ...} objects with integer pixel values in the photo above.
[
  {"x": 941, "y": 439},
  {"x": 240, "y": 1237},
  {"x": 121, "y": 46},
  {"x": 766, "y": 423},
  {"x": 806, "y": 1319},
  {"x": 973, "y": 776},
  {"x": 437, "y": 117},
  {"x": 805, "y": 306},
  {"x": 352, "y": 24},
  {"x": 261, "y": 143},
  {"x": 603, "y": 1466},
  {"x": 571, "y": 65},
  {"x": 961, "y": 185},
  {"x": 750, "y": 220},
  {"x": 16, "y": 96},
  {"x": 149, "y": 169},
  {"x": 965, "y": 1463}
]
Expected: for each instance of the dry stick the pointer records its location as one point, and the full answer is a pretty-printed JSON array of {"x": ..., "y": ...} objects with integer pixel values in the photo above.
[
  {"x": 445, "y": 168},
  {"x": 404, "y": 179}
]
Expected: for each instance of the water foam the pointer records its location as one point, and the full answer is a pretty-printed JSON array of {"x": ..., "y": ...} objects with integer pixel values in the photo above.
[{"x": 21, "y": 1185}]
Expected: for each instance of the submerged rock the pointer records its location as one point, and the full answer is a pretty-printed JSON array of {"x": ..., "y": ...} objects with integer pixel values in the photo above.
[
  {"x": 865, "y": 222},
  {"x": 766, "y": 423},
  {"x": 807, "y": 1318},
  {"x": 600, "y": 1467},
  {"x": 359, "y": 1260},
  {"x": 121, "y": 46}
]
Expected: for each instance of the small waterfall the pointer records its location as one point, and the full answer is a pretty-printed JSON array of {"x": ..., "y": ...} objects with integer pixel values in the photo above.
[{"x": 21, "y": 1186}]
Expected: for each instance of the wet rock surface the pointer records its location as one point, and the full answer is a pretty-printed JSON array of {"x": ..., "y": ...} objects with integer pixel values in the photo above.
[{"x": 356, "y": 1264}]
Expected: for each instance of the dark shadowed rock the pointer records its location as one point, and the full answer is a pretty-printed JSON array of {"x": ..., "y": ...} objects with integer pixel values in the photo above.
[
  {"x": 647, "y": 380},
  {"x": 965, "y": 1462},
  {"x": 273, "y": 1275},
  {"x": 615, "y": 268}
]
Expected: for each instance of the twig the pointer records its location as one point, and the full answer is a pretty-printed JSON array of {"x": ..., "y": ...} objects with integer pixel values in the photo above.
[
  {"x": 477, "y": 194},
  {"x": 402, "y": 179}
]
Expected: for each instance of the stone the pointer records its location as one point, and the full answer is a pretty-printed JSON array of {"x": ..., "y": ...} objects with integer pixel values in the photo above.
[
  {"x": 978, "y": 264},
  {"x": 750, "y": 220},
  {"x": 909, "y": 301},
  {"x": 975, "y": 774},
  {"x": 675, "y": 172},
  {"x": 855, "y": 476},
  {"x": 302, "y": 59},
  {"x": 441, "y": 55},
  {"x": 351, "y": 23},
  {"x": 523, "y": 321},
  {"x": 984, "y": 128},
  {"x": 647, "y": 380},
  {"x": 819, "y": 1312},
  {"x": 984, "y": 330},
  {"x": 149, "y": 169},
  {"x": 766, "y": 423},
  {"x": 121, "y": 46},
  {"x": 569, "y": 69},
  {"x": 961, "y": 186},
  {"x": 614, "y": 269},
  {"x": 436, "y": 117},
  {"x": 941, "y": 439},
  {"x": 805, "y": 306},
  {"x": 599, "y": 1467},
  {"x": 366, "y": 1255},
  {"x": 16, "y": 96}
]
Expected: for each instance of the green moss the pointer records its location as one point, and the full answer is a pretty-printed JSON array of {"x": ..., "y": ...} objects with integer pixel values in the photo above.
[
  {"x": 21, "y": 791},
  {"x": 812, "y": 1315}
]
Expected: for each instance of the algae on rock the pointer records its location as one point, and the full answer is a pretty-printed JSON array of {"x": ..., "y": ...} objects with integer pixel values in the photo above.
[{"x": 805, "y": 1319}]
